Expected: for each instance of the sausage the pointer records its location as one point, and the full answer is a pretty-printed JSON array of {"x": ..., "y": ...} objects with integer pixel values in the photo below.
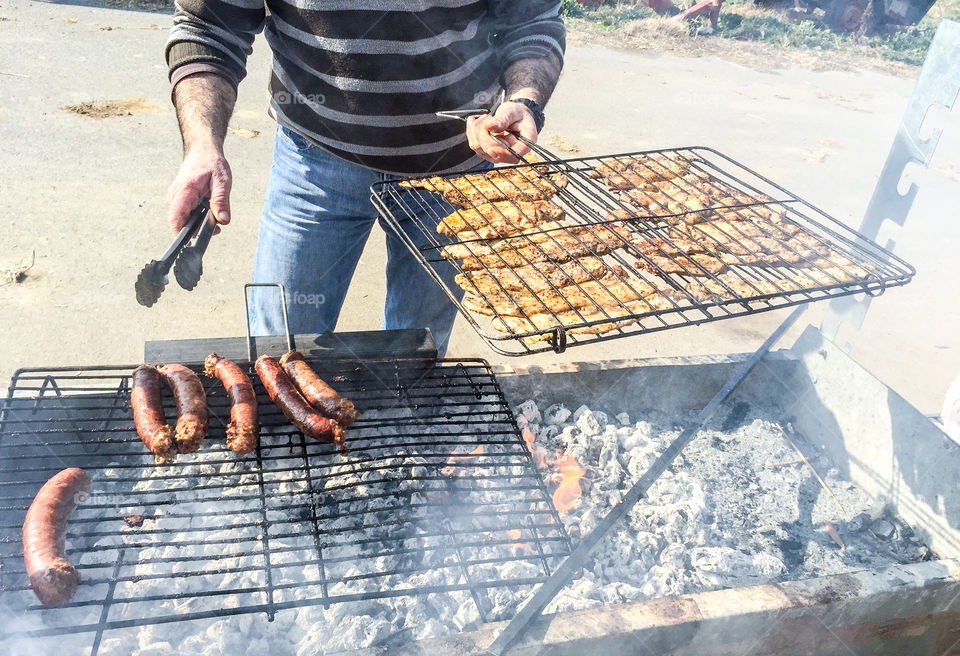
[
  {"x": 191, "y": 406},
  {"x": 147, "y": 403},
  {"x": 318, "y": 394},
  {"x": 244, "y": 427},
  {"x": 52, "y": 577},
  {"x": 284, "y": 393}
]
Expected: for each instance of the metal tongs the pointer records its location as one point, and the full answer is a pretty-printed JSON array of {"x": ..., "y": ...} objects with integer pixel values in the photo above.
[
  {"x": 186, "y": 260},
  {"x": 464, "y": 114}
]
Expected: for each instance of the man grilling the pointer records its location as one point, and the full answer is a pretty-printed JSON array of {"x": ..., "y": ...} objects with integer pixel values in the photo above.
[{"x": 354, "y": 88}]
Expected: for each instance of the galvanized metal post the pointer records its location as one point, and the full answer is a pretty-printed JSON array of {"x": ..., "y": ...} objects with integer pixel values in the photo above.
[{"x": 939, "y": 83}]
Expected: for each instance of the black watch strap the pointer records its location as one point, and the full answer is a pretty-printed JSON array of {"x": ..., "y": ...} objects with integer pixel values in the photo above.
[{"x": 538, "y": 117}]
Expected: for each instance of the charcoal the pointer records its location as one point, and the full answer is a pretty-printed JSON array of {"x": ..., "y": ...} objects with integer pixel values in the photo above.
[{"x": 883, "y": 529}]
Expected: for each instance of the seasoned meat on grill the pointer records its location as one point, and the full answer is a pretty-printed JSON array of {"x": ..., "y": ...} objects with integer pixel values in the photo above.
[
  {"x": 837, "y": 269},
  {"x": 677, "y": 245},
  {"x": 691, "y": 208},
  {"x": 561, "y": 246},
  {"x": 244, "y": 427},
  {"x": 547, "y": 321},
  {"x": 497, "y": 184},
  {"x": 610, "y": 291},
  {"x": 545, "y": 276},
  {"x": 725, "y": 231},
  {"x": 647, "y": 167},
  {"x": 282, "y": 391},
  {"x": 192, "y": 414},
  {"x": 53, "y": 577},
  {"x": 323, "y": 398},
  {"x": 500, "y": 219},
  {"x": 146, "y": 400},
  {"x": 708, "y": 290},
  {"x": 694, "y": 265}
]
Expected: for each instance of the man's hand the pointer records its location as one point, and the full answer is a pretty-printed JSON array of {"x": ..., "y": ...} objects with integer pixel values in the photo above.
[
  {"x": 204, "y": 102},
  {"x": 509, "y": 116},
  {"x": 204, "y": 172}
]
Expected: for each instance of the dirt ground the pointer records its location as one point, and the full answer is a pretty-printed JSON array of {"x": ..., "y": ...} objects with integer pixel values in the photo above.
[{"x": 82, "y": 199}]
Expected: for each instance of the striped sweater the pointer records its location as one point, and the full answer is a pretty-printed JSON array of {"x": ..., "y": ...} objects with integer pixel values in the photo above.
[{"x": 363, "y": 78}]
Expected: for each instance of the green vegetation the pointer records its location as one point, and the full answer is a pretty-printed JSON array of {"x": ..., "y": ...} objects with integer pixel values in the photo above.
[{"x": 742, "y": 20}]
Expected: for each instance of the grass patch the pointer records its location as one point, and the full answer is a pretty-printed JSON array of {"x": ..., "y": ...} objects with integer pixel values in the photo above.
[
  {"x": 744, "y": 21},
  {"x": 610, "y": 15}
]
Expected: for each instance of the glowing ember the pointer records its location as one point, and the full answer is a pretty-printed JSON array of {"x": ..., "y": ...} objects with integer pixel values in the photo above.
[
  {"x": 540, "y": 456},
  {"x": 450, "y": 470},
  {"x": 567, "y": 495},
  {"x": 515, "y": 534}
]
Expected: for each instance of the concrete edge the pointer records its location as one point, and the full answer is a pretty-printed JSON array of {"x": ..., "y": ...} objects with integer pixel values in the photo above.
[{"x": 847, "y": 609}]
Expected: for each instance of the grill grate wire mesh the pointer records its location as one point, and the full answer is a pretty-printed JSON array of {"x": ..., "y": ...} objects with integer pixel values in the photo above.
[{"x": 294, "y": 523}]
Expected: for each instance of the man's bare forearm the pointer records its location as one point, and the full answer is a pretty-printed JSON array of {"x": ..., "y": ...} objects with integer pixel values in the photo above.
[
  {"x": 204, "y": 103},
  {"x": 533, "y": 78}
]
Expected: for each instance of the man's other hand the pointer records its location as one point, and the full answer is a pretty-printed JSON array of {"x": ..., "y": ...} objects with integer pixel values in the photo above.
[
  {"x": 204, "y": 172},
  {"x": 509, "y": 116}
]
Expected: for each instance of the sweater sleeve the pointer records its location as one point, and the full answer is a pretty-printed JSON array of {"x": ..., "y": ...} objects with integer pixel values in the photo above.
[
  {"x": 213, "y": 35},
  {"x": 528, "y": 30}
]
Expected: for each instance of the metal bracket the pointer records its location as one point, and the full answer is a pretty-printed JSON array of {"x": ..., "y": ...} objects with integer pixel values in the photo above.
[
  {"x": 251, "y": 347},
  {"x": 938, "y": 84}
]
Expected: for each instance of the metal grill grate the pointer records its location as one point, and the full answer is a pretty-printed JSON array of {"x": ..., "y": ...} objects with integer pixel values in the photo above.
[
  {"x": 713, "y": 242},
  {"x": 412, "y": 509}
]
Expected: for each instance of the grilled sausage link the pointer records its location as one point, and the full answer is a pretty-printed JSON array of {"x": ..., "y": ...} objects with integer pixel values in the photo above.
[
  {"x": 284, "y": 393},
  {"x": 191, "y": 406},
  {"x": 318, "y": 394},
  {"x": 147, "y": 404},
  {"x": 244, "y": 427},
  {"x": 52, "y": 577}
]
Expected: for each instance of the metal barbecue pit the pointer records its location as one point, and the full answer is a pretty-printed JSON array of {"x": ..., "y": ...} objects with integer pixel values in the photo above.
[
  {"x": 735, "y": 218},
  {"x": 297, "y": 524}
]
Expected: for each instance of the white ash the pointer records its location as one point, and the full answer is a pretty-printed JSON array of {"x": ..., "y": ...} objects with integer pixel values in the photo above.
[
  {"x": 719, "y": 518},
  {"x": 738, "y": 507},
  {"x": 302, "y": 631}
]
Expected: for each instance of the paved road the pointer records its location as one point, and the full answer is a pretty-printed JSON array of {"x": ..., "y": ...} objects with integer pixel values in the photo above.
[{"x": 87, "y": 195}]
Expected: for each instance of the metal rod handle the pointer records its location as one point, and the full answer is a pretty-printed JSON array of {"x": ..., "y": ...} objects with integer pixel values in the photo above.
[
  {"x": 576, "y": 560},
  {"x": 283, "y": 309}
]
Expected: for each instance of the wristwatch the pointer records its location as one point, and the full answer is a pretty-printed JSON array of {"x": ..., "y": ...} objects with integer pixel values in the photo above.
[{"x": 538, "y": 117}]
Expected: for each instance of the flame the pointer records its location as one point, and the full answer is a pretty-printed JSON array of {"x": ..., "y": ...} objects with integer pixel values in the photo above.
[
  {"x": 528, "y": 438},
  {"x": 540, "y": 456},
  {"x": 515, "y": 534},
  {"x": 568, "y": 493}
]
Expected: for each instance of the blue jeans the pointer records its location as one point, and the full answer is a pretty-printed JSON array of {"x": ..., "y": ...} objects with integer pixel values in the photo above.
[{"x": 316, "y": 220}]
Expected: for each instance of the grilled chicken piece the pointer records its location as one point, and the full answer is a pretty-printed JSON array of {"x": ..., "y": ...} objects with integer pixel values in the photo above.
[
  {"x": 541, "y": 278},
  {"x": 694, "y": 265},
  {"x": 692, "y": 208},
  {"x": 726, "y": 232},
  {"x": 837, "y": 269},
  {"x": 711, "y": 290},
  {"x": 472, "y": 243},
  {"x": 609, "y": 292},
  {"x": 546, "y": 321},
  {"x": 490, "y": 186},
  {"x": 678, "y": 245},
  {"x": 559, "y": 246},
  {"x": 500, "y": 219}
]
